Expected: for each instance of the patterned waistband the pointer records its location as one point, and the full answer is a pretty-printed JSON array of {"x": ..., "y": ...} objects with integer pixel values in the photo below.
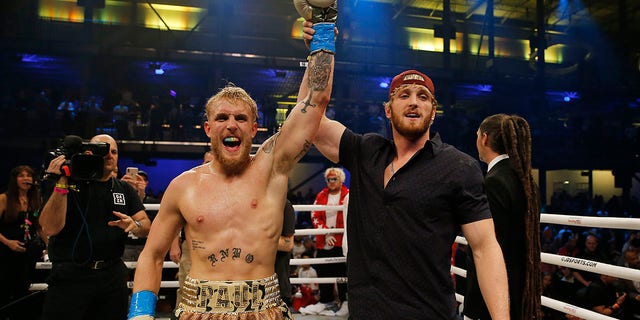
[{"x": 207, "y": 296}]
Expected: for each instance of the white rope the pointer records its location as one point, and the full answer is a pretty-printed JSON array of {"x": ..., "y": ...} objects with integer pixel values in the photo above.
[
  {"x": 317, "y": 280},
  {"x": 327, "y": 260},
  {"x": 296, "y": 207},
  {"x": 129, "y": 264},
  {"x": 306, "y": 232},
  {"x": 173, "y": 265},
  {"x": 152, "y": 206},
  {"x": 587, "y": 265},
  {"x": 176, "y": 284},
  {"x": 459, "y": 271},
  {"x": 598, "y": 222},
  {"x": 573, "y": 310},
  {"x": 591, "y": 266},
  {"x": 317, "y": 207}
]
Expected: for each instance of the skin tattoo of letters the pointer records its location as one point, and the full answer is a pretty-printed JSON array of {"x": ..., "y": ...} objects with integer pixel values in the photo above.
[
  {"x": 318, "y": 76},
  {"x": 305, "y": 148},
  {"x": 197, "y": 244},
  {"x": 228, "y": 253}
]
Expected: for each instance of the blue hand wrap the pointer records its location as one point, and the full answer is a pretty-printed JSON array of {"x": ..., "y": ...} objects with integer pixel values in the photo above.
[
  {"x": 324, "y": 39},
  {"x": 143, "y": 303}
]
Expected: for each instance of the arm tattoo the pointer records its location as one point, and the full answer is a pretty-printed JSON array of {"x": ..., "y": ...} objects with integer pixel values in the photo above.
[
  {"x": 319, "y": 73},
  {"x": 268, "y": 145},
  {"x": 305, "y": 148},
  {"x": 307, "y": 103}
]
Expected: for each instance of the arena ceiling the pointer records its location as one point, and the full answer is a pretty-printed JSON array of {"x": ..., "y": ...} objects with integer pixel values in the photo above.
[{"x": 257, "y": 43}]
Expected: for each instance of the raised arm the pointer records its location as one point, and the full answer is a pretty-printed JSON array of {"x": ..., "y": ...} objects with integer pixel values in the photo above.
[
  {"x": 492, "y": 272},
  {"x": 327, "y": 139},
  {"x": 300, "y": 128}
]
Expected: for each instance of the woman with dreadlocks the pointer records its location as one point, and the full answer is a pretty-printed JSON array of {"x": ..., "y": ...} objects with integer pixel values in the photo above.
[
  {"x": 20, "y": 246},
  {"x": 504, "y": 143}
]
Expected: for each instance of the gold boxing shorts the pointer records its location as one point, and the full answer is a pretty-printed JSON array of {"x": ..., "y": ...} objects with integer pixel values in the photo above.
[{"x": 241, "y": 300}]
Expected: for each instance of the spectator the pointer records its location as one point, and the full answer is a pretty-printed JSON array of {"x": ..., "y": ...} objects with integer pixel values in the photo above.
[
  {"x": 591, "y": 252},
  {"x": 602, "y": 296},
  {"x": 298, "y": 247},
  {"x": 330, "y": 245},
  {"x": 87, "y": 223},
  {"x": 134, "y": 244},
  {"x": 306, "y": 293},
  {"x": 20, "y": 243}
]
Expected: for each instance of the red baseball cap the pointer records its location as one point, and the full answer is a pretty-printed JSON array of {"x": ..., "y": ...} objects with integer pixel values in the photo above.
[{"x": 411, "y": 77}]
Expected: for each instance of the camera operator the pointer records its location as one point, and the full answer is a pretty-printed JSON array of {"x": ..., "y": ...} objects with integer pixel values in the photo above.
[{"x": 87, "y": 222}]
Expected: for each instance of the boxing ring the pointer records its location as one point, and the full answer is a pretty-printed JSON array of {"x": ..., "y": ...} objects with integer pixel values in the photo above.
[{"x": 558, "y": 260}]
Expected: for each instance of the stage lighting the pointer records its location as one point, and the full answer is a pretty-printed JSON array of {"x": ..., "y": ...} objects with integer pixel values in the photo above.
[
  {"x": 156, "y": 67},
  {"x": 568, "y": 96}
]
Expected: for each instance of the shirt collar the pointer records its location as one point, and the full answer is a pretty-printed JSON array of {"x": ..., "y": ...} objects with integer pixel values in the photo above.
[
  {"x": 435, "y": 142},
  {"x": 496, "y": 160}
]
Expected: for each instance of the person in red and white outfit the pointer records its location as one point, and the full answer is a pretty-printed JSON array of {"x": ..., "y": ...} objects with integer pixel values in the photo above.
[{"x": 330, "y": 245}]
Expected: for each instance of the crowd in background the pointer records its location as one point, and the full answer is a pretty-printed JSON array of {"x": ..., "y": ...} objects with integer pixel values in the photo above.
[{"x": 583, "y": 129}]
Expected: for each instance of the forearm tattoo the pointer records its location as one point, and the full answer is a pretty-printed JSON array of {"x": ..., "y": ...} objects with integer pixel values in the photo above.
[
  {"x": 320, "y": 71},
  {"x": 224, "y": 255},
  {"x": 319, "y": 74}
]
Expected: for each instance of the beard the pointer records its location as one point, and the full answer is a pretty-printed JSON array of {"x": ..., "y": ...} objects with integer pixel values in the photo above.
[
  {"x": 232, "y": 165},
  {"x": 412, "y": 130}
]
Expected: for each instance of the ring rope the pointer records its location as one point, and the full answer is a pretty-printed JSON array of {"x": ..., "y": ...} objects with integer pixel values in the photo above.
[
  {"x": 599, "y": 222},
  {"x": 561, "y": 219},
  {"x": 296, "y": 207},
  {"x": 573, "y": 310},
  {"x": 307, "y": 232}
]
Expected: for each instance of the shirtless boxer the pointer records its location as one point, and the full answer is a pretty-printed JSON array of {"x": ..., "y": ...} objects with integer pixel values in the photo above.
[{"x": 232, "y": 207}]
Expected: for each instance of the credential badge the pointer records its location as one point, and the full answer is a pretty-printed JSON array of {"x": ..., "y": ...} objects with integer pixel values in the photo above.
[{"x": 118, "y": 198}]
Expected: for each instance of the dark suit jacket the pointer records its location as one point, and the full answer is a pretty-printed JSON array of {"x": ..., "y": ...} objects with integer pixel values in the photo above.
[{"x": 508, "y": 207}]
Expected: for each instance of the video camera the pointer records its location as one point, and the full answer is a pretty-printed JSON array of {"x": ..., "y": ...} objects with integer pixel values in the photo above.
[{"x": 79, "y": 164}]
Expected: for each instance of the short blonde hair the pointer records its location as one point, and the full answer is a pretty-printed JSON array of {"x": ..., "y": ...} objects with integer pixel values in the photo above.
[
  {"x": 337, "y": 171},
  {"x": 233, "y": 94}
]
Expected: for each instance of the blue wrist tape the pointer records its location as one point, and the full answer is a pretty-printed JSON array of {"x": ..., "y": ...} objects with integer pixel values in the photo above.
[
  {"x": 324, "y": 38},
  {"x": 143, "y": 303}
]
